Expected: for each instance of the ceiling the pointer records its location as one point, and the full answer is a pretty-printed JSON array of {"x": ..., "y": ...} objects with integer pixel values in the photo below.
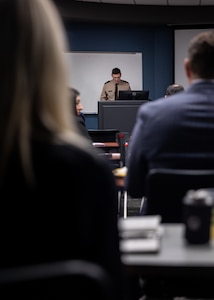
[
  {"x": 156, "y": 2},
  {"x": 140, "y": 12}
]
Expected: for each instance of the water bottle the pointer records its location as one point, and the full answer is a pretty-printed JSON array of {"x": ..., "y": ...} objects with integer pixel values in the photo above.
[{"x": 197, "y": 208}]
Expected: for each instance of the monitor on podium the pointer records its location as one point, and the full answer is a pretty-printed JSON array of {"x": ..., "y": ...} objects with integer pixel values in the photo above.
[
  {"x": 134, "y": 95},
  {"x": 118, "y": 114}
]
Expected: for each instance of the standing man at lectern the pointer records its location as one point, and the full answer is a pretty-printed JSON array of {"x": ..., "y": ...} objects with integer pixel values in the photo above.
[{"x": 112, "y": 87}]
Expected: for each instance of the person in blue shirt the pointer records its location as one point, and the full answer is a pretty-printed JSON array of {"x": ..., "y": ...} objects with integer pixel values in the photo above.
[{"x": 177, "y": 133}]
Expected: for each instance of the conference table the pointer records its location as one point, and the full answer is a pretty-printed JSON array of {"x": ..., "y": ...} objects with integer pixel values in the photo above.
[{"x": 177, "y": 269}]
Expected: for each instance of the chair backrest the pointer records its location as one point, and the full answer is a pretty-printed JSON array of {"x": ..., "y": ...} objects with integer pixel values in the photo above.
[
  {"x": 104, "y": 135},
  {"x": 75, "y": 279},
  {"x": 167, "y": 187}
]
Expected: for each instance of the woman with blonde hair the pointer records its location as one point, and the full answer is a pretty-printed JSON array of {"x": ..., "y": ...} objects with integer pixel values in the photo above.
[{"x": 50, "y": 177}]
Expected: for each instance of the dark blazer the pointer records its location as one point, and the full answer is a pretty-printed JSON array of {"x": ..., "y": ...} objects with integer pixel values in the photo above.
[
  {"x": 82, "y": 127},
  {"x": 70, "y": 211},
  {"x": 174, "y": 133}
]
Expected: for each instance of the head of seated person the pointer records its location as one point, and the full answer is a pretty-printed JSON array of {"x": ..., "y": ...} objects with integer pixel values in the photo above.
[{"x": 174, "y": 89}]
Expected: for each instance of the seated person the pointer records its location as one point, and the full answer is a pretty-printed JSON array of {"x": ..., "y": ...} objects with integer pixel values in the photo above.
[
  {"x": 174, "y": 89},
  {"x": 178, "y": 133},
  {"x": 59, "y": 199},
  {"x": 77, "y": 108}
]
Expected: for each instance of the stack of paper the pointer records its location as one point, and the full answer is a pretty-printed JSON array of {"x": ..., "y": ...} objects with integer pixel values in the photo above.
[{"x": 140, "y": 234}]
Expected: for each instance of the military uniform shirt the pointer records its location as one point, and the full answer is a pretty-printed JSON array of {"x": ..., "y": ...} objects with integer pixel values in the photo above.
[{"x": 108, "y": 91}]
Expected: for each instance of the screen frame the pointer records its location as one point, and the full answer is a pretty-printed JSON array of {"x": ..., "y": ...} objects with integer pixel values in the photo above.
[
  {"x": 133, "y": 95},
  {"x": 118, "y": 114}
]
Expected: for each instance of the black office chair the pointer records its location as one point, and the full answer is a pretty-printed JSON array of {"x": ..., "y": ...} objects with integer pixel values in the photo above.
[
  {"x": 75, "y": 279},
  {"x": 167, "y": 187},
  {"x": 104, "y": 135}
]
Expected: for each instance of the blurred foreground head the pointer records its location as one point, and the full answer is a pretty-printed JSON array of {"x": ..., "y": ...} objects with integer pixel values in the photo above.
[
  {"x": 34, "y": 102},
  {"x": 199, "y": 63}
]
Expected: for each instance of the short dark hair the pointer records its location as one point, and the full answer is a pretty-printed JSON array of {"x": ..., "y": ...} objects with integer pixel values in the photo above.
[
  {"x": 201, "y": 54},
  {"x": 116, "y": 71},
  {"x": 173, "y": 89}
]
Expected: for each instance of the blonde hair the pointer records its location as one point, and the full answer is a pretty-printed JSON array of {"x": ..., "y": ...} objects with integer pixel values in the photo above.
[{"x": 34, "y": 101}]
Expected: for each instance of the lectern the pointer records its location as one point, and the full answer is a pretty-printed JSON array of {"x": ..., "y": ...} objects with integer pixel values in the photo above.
[{"x": 118, "y": 114}]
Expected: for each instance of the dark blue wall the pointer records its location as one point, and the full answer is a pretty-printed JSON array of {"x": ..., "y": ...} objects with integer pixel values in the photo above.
[
  {"x": 91, "y": 121},
  {"x": 155, "y": 43}
]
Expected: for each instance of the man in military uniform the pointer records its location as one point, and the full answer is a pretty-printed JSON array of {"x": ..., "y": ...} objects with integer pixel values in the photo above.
[{"x": 112, "y": 87}]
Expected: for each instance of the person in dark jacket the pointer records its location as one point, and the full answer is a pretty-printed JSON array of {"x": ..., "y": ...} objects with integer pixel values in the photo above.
[
  {"x": 174, "y": 89},
  {"x": 177, "y": 133},
  {"x": 77, "y": 108},
  {"x": 58, "y": 197}
]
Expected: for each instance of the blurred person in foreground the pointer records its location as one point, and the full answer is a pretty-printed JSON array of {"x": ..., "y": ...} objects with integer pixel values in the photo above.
[
  {"x": 51, "y": 207},
  {"x": 177, "y": 133}
]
